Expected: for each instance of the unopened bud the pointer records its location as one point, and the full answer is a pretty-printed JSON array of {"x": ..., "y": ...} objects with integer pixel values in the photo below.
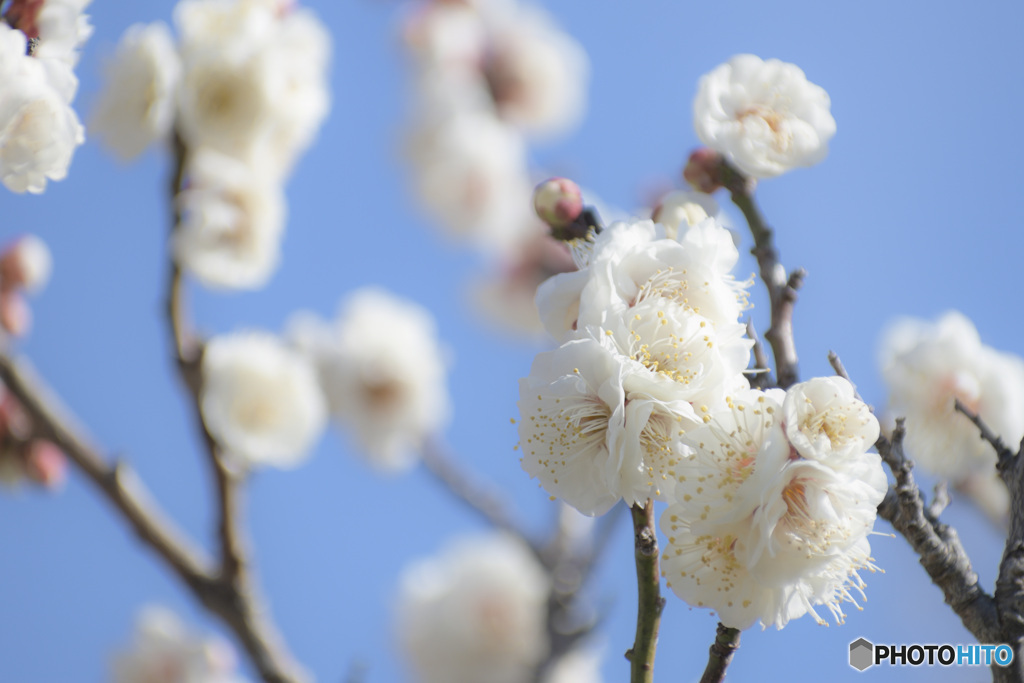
[
  {"x": 45, "y": 464},
  {"x": 558, "y": 202},
  {"x": 26, "y": 264},
  {"x": 15, "y": 315},
  {"x": 704, "y": 170}
]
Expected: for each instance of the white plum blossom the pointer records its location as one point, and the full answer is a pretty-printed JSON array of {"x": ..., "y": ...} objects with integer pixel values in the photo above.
[
  {"x": 231, "y": 222},
  {"x": 469, "y": 173},
  {"x": 765, "y": 117},
  {"x": 261, "y": 400},
  {"x": 597, "y": 426},
  {"x": 826, "y": 422},
  {"x": 253, "y": 79},
  {"x": 537, "y": 73},
  {"x": 137, "y": 106},
  {"x": 928, "y": 365},
  {"x": 476, "y": 612},
  {"x": 39, "y": 130},
  {"x": 383, "y": 371},
  {"x": 164, "y": 650},
  {"x": 759, "y": 533},
  {"x": 631, "y": 262}
]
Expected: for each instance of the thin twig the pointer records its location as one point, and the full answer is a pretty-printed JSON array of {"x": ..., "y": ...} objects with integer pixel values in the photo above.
[
  {"x": 239, "y": 603},
  {"x": 1003, "y": 452},
  {"x": 478, "y": 497},
  {"x": 762, "y": 379},
  {"x": 649, "y": 600},
  {"x": 782, "y": 291},
  {"x": 727, "y": 641},
  {"x": 117, "y": 482}
]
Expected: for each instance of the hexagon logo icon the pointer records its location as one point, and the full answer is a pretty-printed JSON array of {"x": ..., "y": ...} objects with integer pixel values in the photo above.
[{"x": 862, "y": 654}]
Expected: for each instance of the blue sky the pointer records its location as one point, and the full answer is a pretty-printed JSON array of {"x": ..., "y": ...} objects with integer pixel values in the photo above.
[{"x": 916, "y": 210}]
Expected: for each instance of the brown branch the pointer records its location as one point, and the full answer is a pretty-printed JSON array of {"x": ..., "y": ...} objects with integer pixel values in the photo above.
[
  {"x": 1009, "y": 594},
  {"x": 649, "y": 600},
  {"x": 727, "y": 641},
  {"x": 782, "y": 291},
  {"x": 236, "y": 598},
  {"x": 118, "y": 483},
  {"x": 937, "y": 545}
]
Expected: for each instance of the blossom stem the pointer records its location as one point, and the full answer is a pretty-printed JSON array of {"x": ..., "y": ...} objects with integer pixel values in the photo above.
[
  {"x": 727, "y": 641},
  {"x": 649, "y": 600},
  {"x": 233, "y": 595},
  {"x": 782, "y": 291}
]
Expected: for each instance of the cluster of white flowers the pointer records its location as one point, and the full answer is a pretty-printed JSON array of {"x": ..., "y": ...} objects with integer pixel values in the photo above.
[
  {"x": 650, "y": 337},
  {"x": 927, "y": 366},
  {"x": 261, "y": 400},
  {"x": 771, "y": 494},
  {"x": 489, "y": 75},
  {"x": 764, "y": 117},
  {"x": 771, "y": 514},
  {"x": 39, "y": 131},
  {"x": 383, "y": 372},
  {"x": 166, "y": 651},
  {"x": 245, "y": 92},
  {"x": 476, "y": 612}
]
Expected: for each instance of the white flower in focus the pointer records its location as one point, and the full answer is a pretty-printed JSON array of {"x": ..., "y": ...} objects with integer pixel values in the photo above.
[
  {"x": 39, "y": 130},
  {"x": 928, "y": 365},
  {"x": 477, "y": 612},
  {"x": 756, "y": 532},
  {"x": 232, "y": 222},
  {"x": 137, "y": 106},
  {"x": 261, "y": 400},
  {"x": 765, "y": 117},
  {"x": 596, "y": 426},
  {"x": 632, "y": 262},
  {"x": 536, "y": 73},
  {"x": 383, "y": 372},
  {"x": 165, "y": 651},
  {"x": 826, "y": 422},
  {"x": 469, "y": 172}
]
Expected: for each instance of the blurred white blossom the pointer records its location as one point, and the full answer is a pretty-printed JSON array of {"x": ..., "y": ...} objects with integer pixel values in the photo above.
[
  {"x": 475, "y": 612},
  {"x": 164, "y": 650},
  {"x": 765, "y": 117},
  {"x": 928, "y": 365},
  {"x": 232, "y": 222},
  {"x": 137, "y": 106},
  {"x": 253, "y": 79},
  {"x": 261, "y": 400},
  {"x": 383, "y": 371},
  {"x": 39, "y": 130},
  {"x": 470, "y": 173}
]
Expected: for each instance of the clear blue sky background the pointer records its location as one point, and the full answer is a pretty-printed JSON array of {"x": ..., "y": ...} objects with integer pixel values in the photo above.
[{"x": 916, "y": 210}]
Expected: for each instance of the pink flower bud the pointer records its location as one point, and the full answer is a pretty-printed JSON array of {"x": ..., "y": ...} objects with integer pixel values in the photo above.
[
  {"x": 45, "y": 464},
  {"x": 15, "y": 315},
  {"x": 558, "y": 202},
  {"x": 704, "y": 170},
  {"x": 23, "y": 15},
  {"x": 25, "y": 264},
  {"x": 14, "y": 421}
]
